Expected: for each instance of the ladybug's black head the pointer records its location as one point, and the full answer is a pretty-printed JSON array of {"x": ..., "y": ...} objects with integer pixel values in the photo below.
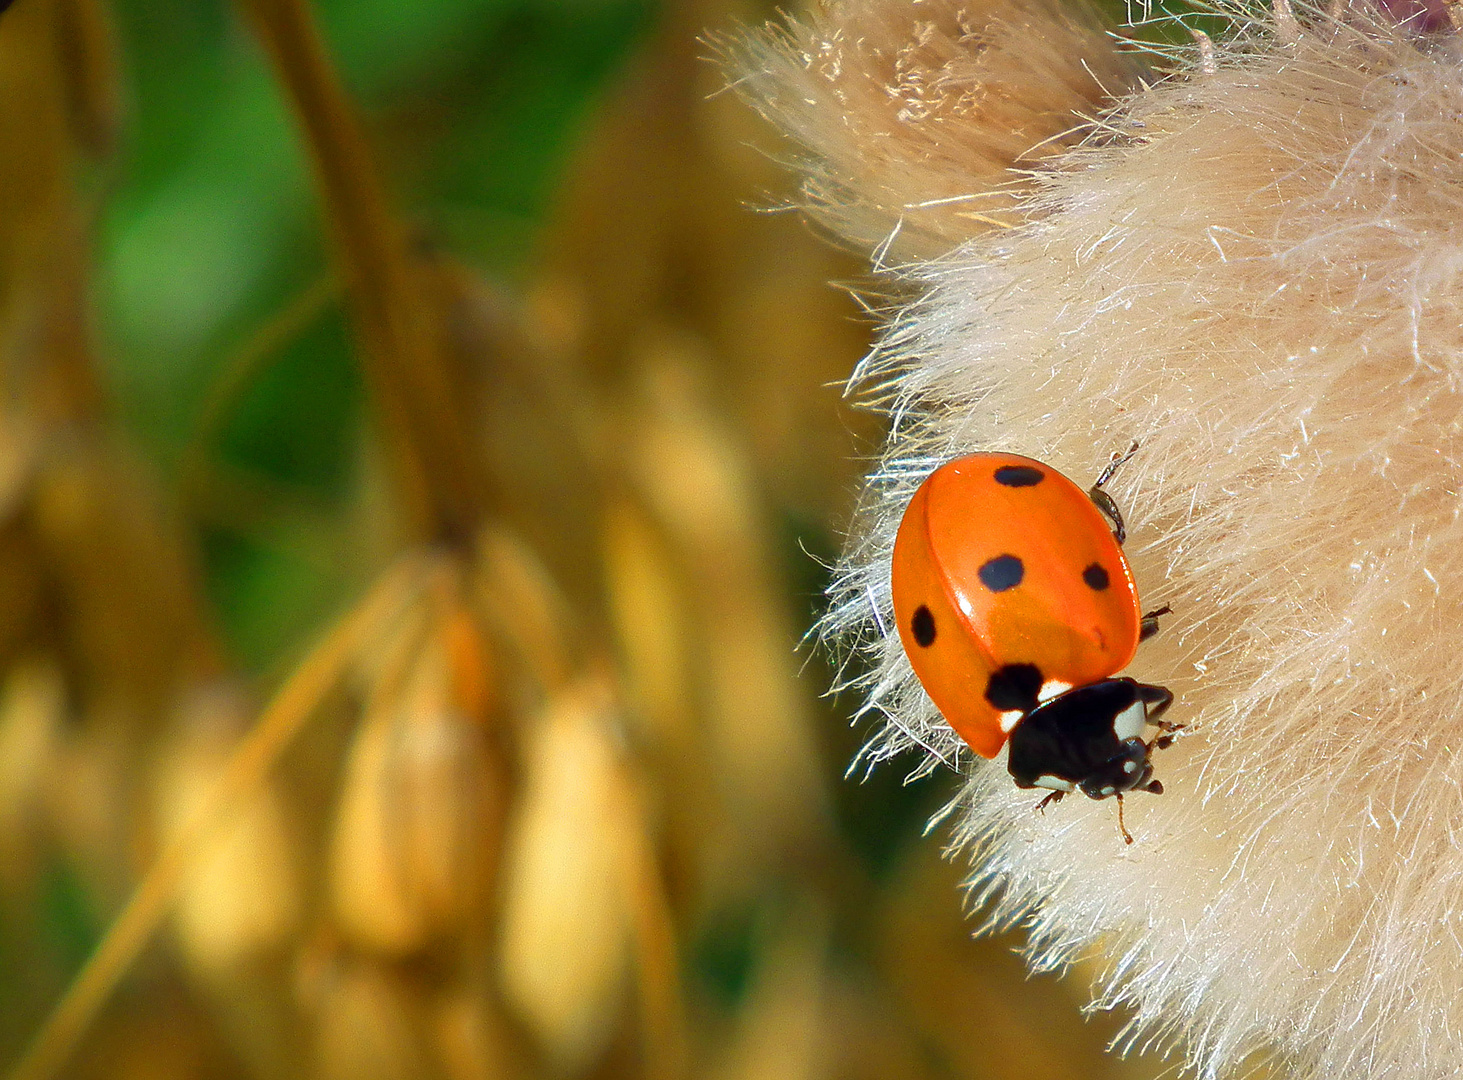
[{"x": 1130, "y": 770}]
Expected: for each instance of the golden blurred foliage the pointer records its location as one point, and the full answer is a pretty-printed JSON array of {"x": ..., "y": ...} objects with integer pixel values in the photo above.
[{"x": 555, "y": 793}]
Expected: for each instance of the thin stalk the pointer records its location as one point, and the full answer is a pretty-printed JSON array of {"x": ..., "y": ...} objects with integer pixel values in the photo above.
[
  {"x": 398, "y": 317},
  {"x": 250, "y": 762},
  {"x": 662, "y": 1008}
]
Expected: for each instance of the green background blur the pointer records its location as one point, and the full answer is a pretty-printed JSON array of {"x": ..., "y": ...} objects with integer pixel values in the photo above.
[{"x": 212, "y": 225}]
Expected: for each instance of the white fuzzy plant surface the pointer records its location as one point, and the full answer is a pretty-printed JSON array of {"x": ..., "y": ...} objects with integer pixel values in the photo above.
[{"x": 1254, "y": 268}]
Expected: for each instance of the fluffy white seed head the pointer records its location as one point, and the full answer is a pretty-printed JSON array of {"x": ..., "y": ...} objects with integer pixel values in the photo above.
[
  {"x": 1257, "y": 272},
  {"x": 918, "y": 116}
]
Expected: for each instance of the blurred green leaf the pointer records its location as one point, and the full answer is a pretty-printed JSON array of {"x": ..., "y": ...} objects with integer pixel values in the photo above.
[
  {"x": 212, "y": 227},
  {"x": 269, "y": 591},
  {"x": 68, "y": 920},
  {"x": 295, "y": 424}
]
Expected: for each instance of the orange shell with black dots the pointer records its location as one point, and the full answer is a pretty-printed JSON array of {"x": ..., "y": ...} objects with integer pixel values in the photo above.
[{"x": 1001, "y": 560}]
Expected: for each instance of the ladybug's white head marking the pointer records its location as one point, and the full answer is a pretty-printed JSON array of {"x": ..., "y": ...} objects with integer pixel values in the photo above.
[
  {"x": 1129, "y": 723},
  {"x": 1054, "y": 783},
  {"x": 1010, "y": 718},
  {"x": 1051, "y": 688}
]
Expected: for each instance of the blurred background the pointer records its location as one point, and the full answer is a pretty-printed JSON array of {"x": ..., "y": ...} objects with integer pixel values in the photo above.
[{"x": 420, "y": 456}]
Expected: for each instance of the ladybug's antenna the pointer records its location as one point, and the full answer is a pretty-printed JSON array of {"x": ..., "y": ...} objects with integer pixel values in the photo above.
[
  {"x": 1127, "y": 836},
  {"x": 1114, "y": 464}
]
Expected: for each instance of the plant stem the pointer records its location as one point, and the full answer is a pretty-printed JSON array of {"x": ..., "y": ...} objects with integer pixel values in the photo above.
[
  {"x": 250, "y": 762},
  {"x": 398, "y": 317}
]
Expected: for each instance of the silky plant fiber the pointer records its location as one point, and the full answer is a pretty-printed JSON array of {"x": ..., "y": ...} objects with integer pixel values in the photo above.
[{"x": 1250, "y": 261}]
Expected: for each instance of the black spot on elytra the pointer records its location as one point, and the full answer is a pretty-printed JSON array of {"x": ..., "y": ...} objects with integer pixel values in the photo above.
[
  {"x": 1096, "y": 577},
  {"x": 923, "y": 626},
  {"x": 1019, "y": 476},
  {"x": 1014, "y": 686},
  {"x": 1002, "y": 573}
]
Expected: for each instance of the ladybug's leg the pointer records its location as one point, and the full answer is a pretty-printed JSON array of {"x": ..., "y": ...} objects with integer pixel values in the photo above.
[
  {"x": 1104, "y": 501},
  {"x": 1149, "y": 626},
  {"x": 1170, "y": 733},
  {"x": 1054, "y": 797},
  {"x": 1110, "y": 509},
  {"x": 1117, "y": 462}
]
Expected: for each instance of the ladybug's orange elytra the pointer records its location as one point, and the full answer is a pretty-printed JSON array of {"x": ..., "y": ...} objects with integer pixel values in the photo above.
[{"x": 1021, "y": 571}]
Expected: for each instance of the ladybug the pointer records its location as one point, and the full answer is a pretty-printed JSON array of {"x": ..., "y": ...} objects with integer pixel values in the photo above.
[{"x": 1017, "y": 607}]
